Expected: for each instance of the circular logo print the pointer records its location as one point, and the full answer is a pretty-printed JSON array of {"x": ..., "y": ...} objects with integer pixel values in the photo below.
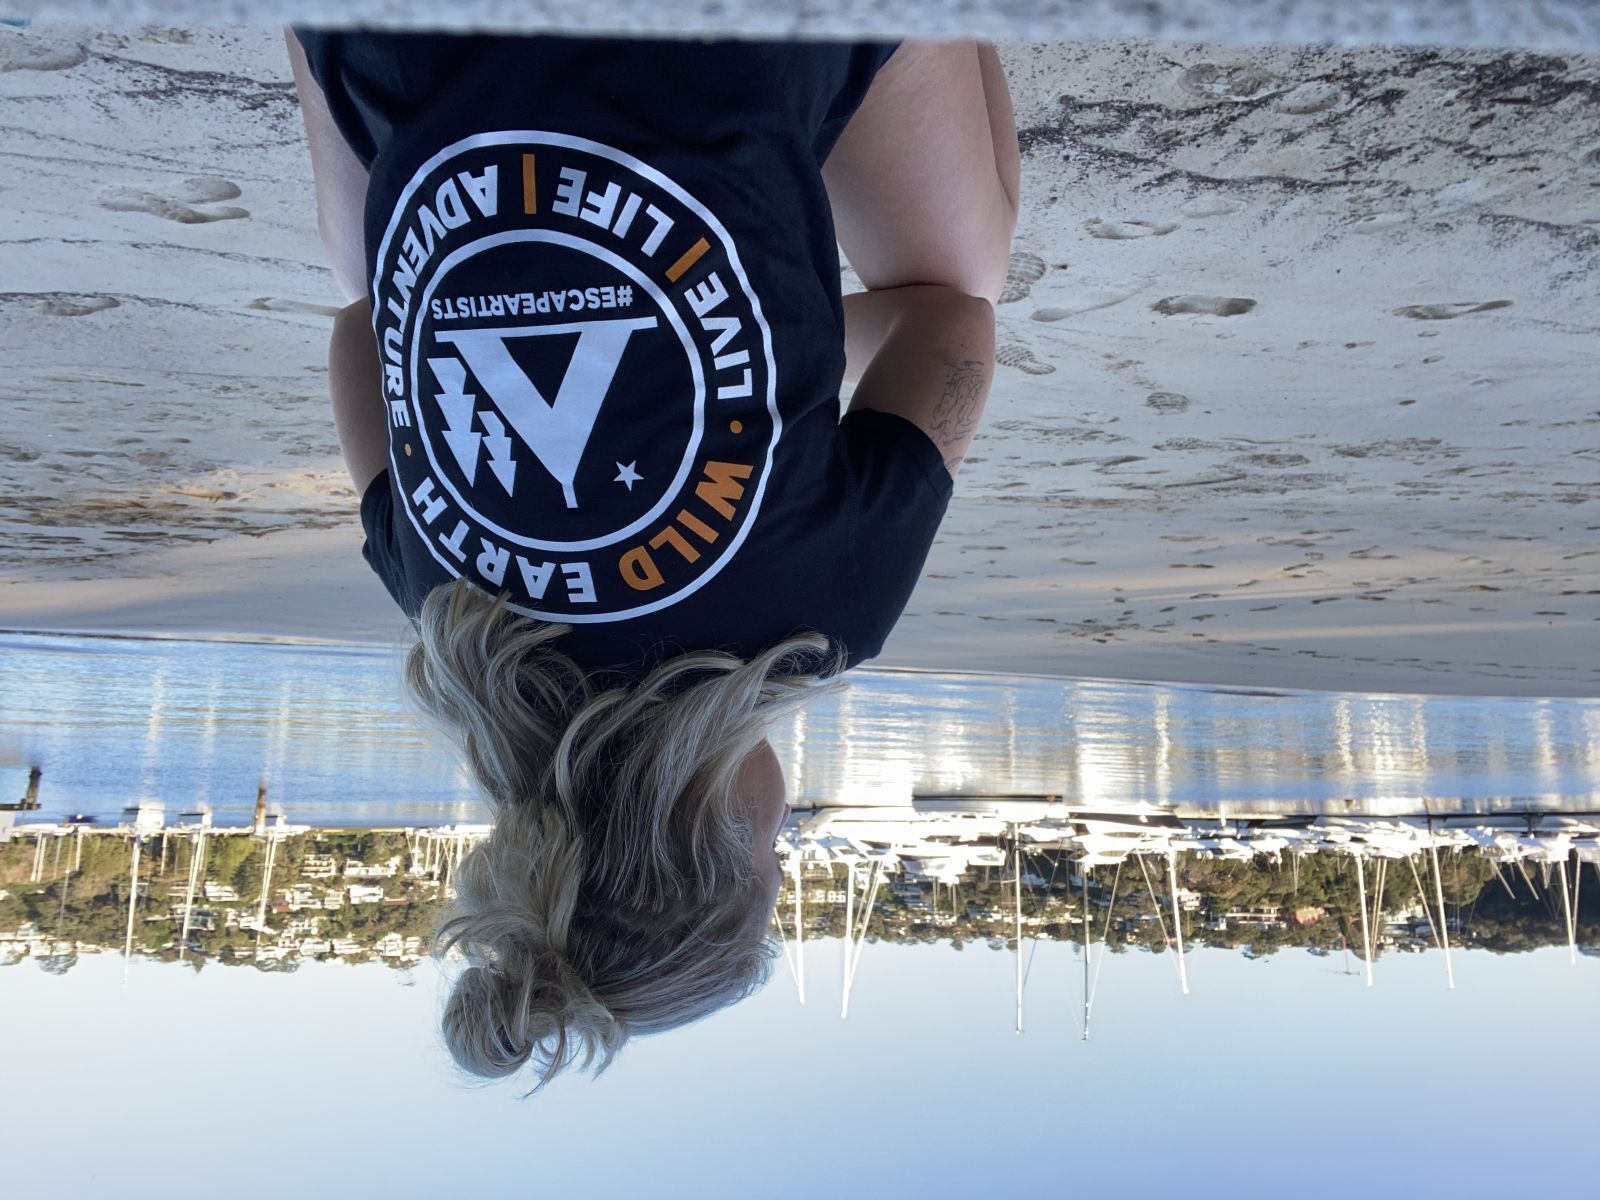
[{"x": 578, "y": 376}]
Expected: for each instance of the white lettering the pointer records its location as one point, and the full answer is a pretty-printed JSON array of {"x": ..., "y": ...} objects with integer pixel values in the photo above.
[
  {"x": 663, "y": 227},
  {"x": 492, "y": 562},
  {"x": 707, "y": 295},
  {"x": 432, "y": 228},
  {"x": 453, "y": 542},
  {"x": 736, "y": 392},
  {"x": 630, "y": 209},
  {"x": 535, "y": 579},
  {"x": 414, "y": 253},
  {"x": 404, "y": 278},
  {"x": 729, "y": 327},
  {"x": 599, "y": 208},
  {"x": 580, "y": 582},
  {"x": 424, "y": 496},
  {"x": 452, "y": 208},
  {"x": 483, "y": 189},
  {"x": 569, "y": 192}
]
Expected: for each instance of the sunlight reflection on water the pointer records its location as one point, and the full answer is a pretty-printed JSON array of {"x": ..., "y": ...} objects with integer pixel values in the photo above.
[{"x": 113, "y": 721}]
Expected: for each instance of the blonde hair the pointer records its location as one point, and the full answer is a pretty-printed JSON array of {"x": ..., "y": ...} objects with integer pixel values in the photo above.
[{"x": 617, "y": 893}]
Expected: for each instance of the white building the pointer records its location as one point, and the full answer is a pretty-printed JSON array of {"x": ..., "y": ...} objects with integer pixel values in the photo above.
[
  {"x": 390, "y": 945},
  {"x": 355, "y": 869}
]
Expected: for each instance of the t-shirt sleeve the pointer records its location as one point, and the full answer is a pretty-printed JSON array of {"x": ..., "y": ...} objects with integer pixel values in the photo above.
[
  {"x": 380, "y": 549},
  {"x": 900, "y": 490}
]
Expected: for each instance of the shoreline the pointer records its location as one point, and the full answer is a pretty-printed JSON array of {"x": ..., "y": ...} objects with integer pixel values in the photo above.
[
  {"x": 1293, "y": 385},
  {"x": 873, "y": 666}
]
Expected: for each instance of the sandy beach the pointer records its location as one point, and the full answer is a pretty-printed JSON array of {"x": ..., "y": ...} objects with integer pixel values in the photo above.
[{"x": 1296, "y": 381}]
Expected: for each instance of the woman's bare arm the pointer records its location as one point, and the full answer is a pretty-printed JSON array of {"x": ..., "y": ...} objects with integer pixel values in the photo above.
[
  {"x": 1002, "y": 125},
  {"x": 933, "y": 365},
  {"x": 918, "y": 179},
  {"x": 355, "y": 382},
  {"x": 924, "y": 184},
  {"x": 340, "y": 178}
]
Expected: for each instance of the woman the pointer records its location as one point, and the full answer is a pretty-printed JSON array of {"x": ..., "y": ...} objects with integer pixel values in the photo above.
[{"x": 587, "y": 388}]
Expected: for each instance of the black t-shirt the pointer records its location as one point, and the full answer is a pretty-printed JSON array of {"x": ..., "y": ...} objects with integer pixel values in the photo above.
[{"x": 605, "y": 293}]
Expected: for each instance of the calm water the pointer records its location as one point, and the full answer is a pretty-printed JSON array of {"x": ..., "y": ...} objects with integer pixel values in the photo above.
[
  {"x": 182, "y": 723},
  {"x": 1191, "y": 1082}
]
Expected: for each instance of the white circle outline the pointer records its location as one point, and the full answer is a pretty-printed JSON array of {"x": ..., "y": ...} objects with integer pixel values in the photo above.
[
  {"x": 692, "y": 351},
  {"x": 645, "y": 171}
]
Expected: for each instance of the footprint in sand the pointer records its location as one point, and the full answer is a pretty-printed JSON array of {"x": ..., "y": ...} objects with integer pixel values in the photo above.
[
  {"x": 1167, "y": 402},
  {"x": 1209, "y": 206},
  {"x": 1023, "y": 271},
  {"x": 1083, "y": 301},
  {"x": 61, "y": 304},
  {"x": 1274, "y": 460},
  {"x": 1211, "y": 306},
  {"x": 1127, "y": 231},
  {"x": 1239, "y": 84},
  {"x": 1016, "y": 354},
  {"x": 1380, "y": 222},
  {"x": 24, "y": 54},
  {"x": 1307, "y": 98},
  {"x": 273, "y": 304},
  {"x": 200, "y": 189},
  {"x": 1448, "y": 312}
]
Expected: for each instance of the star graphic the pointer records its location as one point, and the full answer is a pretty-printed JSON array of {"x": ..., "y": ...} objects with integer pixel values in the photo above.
[{"x": 627, "y": 475}]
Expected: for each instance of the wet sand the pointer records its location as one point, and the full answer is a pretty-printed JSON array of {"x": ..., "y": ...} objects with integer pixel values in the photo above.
[{"x": 1295, "y": 382}]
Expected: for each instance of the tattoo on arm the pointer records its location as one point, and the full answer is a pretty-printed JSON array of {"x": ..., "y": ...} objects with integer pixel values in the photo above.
[{"x": 955, "y": 417}]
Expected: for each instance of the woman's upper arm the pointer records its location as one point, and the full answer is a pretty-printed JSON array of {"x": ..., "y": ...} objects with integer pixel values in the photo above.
[
  {"x": 355, "y": 382},
  {"x": 341, "y": 180},
  {"x": 915, "y": 182},
  {"x": 934, "y": 368}
]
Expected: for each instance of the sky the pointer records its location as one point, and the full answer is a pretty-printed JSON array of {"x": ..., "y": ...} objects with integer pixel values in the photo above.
[{"x": 331, "y": 1081}]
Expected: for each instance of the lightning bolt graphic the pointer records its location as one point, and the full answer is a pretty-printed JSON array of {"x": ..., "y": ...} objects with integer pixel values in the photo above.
[
  {"x": 456, "y": 404},
  {"x": 499, "y": 451}
]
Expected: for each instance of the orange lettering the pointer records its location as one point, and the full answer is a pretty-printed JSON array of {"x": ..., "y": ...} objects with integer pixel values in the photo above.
[
  {"x": 696, "y": 525},
  {"x": 639, "y": 570},
  {"x": 721, "y": 485},
  {"x": 678, "y": 542}
]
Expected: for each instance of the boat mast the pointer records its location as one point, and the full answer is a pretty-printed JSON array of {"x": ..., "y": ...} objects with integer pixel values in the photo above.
[
  {"x": 1177, "y": 918},
  {"x": 1366, "y": 934},
  {"x": 1084, "y": 876},
  {"x": 1016, "y": 853},
  {"x": 133, "y": 899},
  {"x": 849, "y": 934},
  {"x": 1444, "y": 933},
  {"x": 197, "y": 849},
  {"x": 799, "y": 928},
  {"x": 1571, "y": 910}
]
